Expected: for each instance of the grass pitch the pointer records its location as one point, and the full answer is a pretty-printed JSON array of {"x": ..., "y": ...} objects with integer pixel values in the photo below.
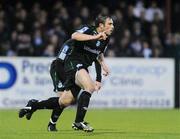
[{"x": 108, "y": 124}]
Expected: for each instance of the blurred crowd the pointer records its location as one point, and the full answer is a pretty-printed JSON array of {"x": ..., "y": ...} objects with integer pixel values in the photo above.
[{"x": 38, "y": 29}]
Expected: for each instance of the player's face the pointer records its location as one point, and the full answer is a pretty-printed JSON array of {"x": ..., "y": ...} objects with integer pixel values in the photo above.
[{"x": 108, "y": 26}]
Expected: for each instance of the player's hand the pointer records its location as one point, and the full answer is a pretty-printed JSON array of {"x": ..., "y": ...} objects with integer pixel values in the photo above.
[
  {"x": 101, "y": 36},
  {"x": 106, "y": 70},
  {"x": 97, "y": 86}
]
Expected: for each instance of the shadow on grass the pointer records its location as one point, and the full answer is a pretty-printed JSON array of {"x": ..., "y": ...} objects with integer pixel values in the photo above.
[
  {"x": 100, "y": 132},
  {"x": 106, "y": 132},
  {"x": 136, "y": 134}
]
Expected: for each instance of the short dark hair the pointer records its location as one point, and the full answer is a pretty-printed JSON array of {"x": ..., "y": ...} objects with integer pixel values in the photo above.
[{"x": 100, "y": 19}]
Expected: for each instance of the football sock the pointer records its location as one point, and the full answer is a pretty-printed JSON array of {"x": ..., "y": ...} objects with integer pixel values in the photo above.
[
  {"x": 50, "y": 103},
  {"x": 55, "y": 115},
  {"x": 82, "y": 107}
]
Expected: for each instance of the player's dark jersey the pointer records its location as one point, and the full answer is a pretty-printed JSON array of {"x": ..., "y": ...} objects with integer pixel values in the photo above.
[
  {"x": 67, "y": 50},
  {"x": 85, "y": 51}
]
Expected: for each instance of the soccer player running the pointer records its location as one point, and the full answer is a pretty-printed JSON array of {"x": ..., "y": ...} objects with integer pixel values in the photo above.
[
  {"x": 89, "y": 44},
  {"x": 58, "y": 77}
]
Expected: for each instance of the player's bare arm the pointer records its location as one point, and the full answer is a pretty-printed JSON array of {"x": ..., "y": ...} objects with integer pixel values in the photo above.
[
  {"x": 104, "y": 66},
  {"x": 85, "y": 37}
]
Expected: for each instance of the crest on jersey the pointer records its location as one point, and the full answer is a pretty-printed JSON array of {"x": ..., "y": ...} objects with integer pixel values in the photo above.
[
  {"x": 79, "y": 65},
  {"x": 98, "y": 43},
  {"x": 60, "y": 85}
]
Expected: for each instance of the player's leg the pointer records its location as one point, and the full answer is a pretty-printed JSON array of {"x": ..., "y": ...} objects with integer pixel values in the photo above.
[
  {"x": 56, "y": 112},
  {"x": 84, "y": 80},
  {"x": 58, "y": 77},
  {"x": 54, "y": 118},
  {"x": 51, "y": 103},
  {"x": 34, "y": 105},
  {"x": 65, "y": 99}
]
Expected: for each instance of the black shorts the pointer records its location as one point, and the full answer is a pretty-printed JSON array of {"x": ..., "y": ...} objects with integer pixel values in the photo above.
[
  {"x": 71, "y": 67},
  {"x": 58, "y": 77}
]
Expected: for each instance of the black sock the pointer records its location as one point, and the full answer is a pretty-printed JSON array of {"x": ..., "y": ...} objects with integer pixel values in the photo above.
[
  {"x": 83, "y": 104},
  {"x": 55, "y": 115},
  {"x": 50, "y": 103}
]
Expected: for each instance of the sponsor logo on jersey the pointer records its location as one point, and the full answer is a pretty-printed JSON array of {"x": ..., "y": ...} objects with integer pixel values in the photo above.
[{"x": 92, "y": 50}]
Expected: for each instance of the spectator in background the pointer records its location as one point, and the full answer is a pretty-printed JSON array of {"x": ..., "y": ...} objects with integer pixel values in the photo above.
[
  {"x": 152, "y": 10},
  {"x": 51, "y": 47},
  {"x": 38, "y": 43},
  {"x": 23, "y": 41},
  {"x": 25, "y": 29},
  {"x": 136, "y": 47},
  {"x": 146, "y": 52},
  {"x": 84, "y": 14},
  {"x": 77, "y": 22},
  {"x": 124, "y": 49},
  {"x": 138, "y": 9},
  {"x": 157, "y": 47},
  {"x": 129, "y": 18},
  {"x": 172, "y": 45}
]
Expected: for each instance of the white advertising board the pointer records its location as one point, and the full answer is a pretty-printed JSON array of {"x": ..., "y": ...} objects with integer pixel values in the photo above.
[
  {"x": 137, "y": 83},
  {"x": 22, "y": 79},
  {"x": 132, "y": 83}
]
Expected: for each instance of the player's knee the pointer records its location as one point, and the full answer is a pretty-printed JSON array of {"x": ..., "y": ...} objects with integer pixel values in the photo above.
[
  {"x": 90, "y": 88},
  {"x": 66, "y": 99},
  {"x": 66, "y": 102}
]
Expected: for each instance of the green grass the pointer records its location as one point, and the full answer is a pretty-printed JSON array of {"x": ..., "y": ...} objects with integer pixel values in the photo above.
[{"x": 108, "y": 124}]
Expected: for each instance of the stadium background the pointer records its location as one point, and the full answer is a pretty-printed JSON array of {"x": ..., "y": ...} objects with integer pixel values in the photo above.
[{"x": 146, "y": 36}]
